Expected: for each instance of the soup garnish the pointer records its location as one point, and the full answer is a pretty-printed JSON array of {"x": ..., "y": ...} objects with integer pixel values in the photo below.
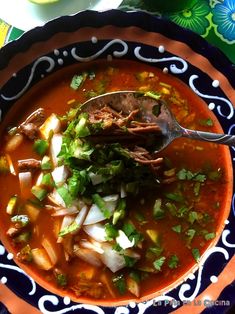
[{"x": 104, "y": 219}]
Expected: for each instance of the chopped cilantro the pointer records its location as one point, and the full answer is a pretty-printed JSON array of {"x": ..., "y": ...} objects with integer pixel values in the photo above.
[
  {"x": 177, "y": 228},
  {"x": 184, "y": 174},
  {"x": 196, "y": 254},
  {"x": 129, "y": 261},
  {"x": 173, "y": 262},
  {"x": 158, "y": 212},
  {"x": 158, "y": 263},
  {"x": 209, "y": 236},
  {"x": 193, "y": 216},
  {"x": 120, "y": 283},
  {"x": 175, "y": 197},
  {"x": 111, "y": 231}
]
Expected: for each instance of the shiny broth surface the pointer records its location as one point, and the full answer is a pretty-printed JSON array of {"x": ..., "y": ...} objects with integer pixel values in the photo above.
[{"x": 155, "y": 221}]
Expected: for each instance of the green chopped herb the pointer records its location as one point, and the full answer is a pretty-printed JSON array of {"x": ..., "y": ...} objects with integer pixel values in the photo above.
[
  {"x": 156, "y": 250},
  {"x": 196, "y": 254},
  {"x": 131, "y": 232},
  {"x": 209, "y": 236},
  {"x": 175, "y": 197},
  {"x": 78, "y": 182},
  {"x": 177, "y": 228},
  {"x": 120, "y": 283},
  {"x": 172, "y": 208},
  {"x": 158, "y": 263},
  {"x": 193, "y": 216},
  {"x": 61, "y": 280},
  {"x": 153, "y": 94},
  {"x": 190, "y": 233},
  {"x": 196, "y": 188},
  {"x": 78, "y": 80},
  {"x": 119, "y": 212},
  {"x": 129, "y": 261},
  {"x": 158, "y": 212},
  {"x": 81, "y": 129},
  {"x": 40, "y": 147},
  {"x": 215, "y": 175},
  {"x": 173, "y": 262},
  {"x": 111, "y": 231},
  {"x": 135, "y": 276},
  {"x": 184, "y": 174}
]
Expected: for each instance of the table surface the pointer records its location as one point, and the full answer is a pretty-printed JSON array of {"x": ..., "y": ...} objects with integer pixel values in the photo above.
[{"x": 214, "y": 20}]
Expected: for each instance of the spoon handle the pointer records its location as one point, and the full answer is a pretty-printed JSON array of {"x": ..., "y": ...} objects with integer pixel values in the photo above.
[{"x": 209, "y": 137}]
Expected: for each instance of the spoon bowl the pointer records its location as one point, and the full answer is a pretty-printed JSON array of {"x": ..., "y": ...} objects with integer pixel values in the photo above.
[{"x": 153, "y": 110}]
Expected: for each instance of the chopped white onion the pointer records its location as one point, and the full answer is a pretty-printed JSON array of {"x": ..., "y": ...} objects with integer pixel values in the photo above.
[
  {"x": 51, "y": 125},
  {"x": 111, "y": 258},
  {"x": 96, "y": 232},
  {"x": 92, "y": 246},
  {"x": 56, "y": 199},
  {"x": 60, "y": 175},
  {"x": 88, "y": 256},
  {"x": 65, "y": 211},
  {"x": 51, "y": 250},
  {"x": 25, "y": 179},
  {"x": 41, "y": 259},
  {"x": 95, "y": 178},
  {"x": 11, "y": 166},
  {"x": 81, "y": 217},
  {"x": 55, "y": 147},
  {"x": 123, "y": 240},
  {"x": 95, "y": 214}
]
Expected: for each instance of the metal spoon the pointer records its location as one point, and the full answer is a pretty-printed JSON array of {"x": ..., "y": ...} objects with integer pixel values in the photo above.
[{"x": 153, "y": 110}]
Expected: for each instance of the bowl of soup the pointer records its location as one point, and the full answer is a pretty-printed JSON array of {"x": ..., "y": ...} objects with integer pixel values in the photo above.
[{"x": 97, "y": 224}]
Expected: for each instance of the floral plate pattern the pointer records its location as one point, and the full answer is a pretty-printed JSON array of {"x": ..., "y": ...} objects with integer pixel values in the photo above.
[{"x": 137, "y": 36}]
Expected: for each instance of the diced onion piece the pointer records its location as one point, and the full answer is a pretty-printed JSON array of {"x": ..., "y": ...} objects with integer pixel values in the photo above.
[
  {"x": 81, "y": 216},
  {"x": 96, "y": 215},
  {"x": 123, "y": 240},
  {"x": 56, "y": 199},
  {"x": 88, "y": 256},
  {"x": 32, "y": 211},
  {"x": 92, "y": 246},
  {"x": 55, "y": 147},
  {"x": 96, "y": 232},
  {"x": 41, "y": 259},
  {"x": 14, "y": 142},
  {"x": 39, "y": 179},
  {"x": 66, "y": 211},
  {"x": 11, "y": 166},
  {"x": 123, "y": 193},
  {"x": 25, "y": 179},
  {"x": 111, "y": 258},
  {"x": 96, "y": 178},
  {"x": 51, "y": 250},
  {"x": 133, "y": 286},
  {"x": 51, "y": 125},
  {"x": 60, "y": 175}
]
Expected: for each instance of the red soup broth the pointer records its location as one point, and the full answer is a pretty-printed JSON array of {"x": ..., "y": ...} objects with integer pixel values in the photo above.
[{"x": 195, "y": 209}]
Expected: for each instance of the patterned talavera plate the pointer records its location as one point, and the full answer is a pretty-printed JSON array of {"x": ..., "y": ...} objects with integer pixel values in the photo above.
[{"x": 137, "y": 36}]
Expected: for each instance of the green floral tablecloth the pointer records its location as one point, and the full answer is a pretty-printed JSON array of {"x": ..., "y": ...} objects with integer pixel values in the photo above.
[{"x": 212, "y": 19}]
